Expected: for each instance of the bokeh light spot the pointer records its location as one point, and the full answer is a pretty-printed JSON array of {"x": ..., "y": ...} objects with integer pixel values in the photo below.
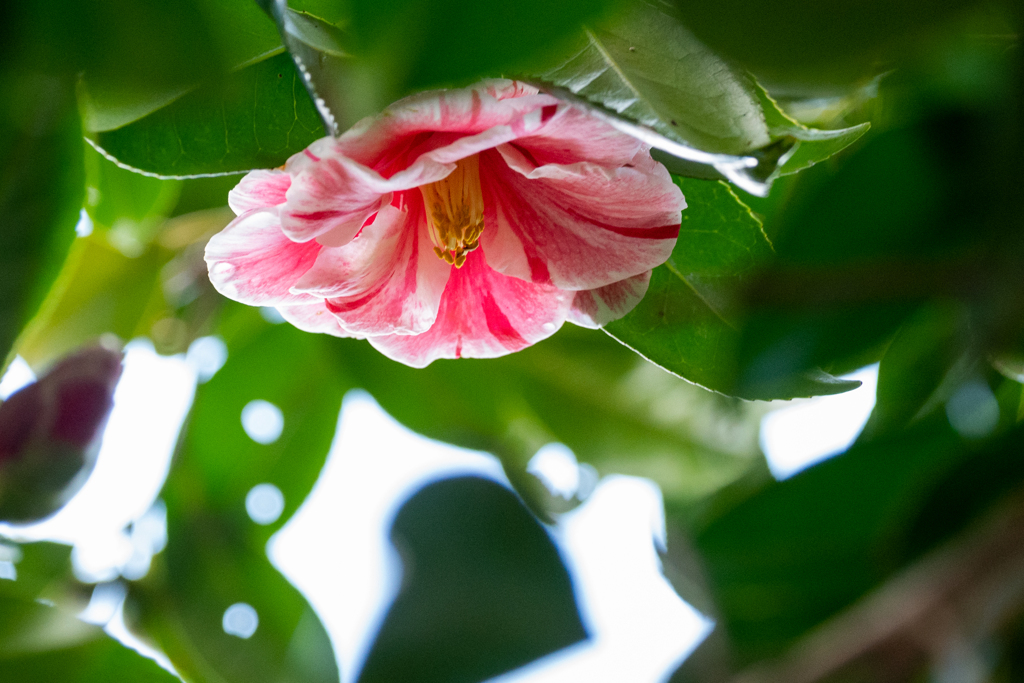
[
  {"x": 240, "y": 620},
  {"x": 207, "y": 355},
  {"x": 264, "y": 503},
  {"x": 973, "y": 410},
  {"x": 262, "y": 421}
]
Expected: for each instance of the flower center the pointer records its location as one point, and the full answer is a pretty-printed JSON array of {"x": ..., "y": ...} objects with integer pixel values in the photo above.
[{"x": 455, "y": 211}]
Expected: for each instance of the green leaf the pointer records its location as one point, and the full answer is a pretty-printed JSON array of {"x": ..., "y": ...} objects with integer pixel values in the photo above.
[
  {"x": 485, "y": 589},
  {"x": 130, "y": 58},
  {"x": 275, "y": 364},
  {"x": 318, "y": 34},
  {"x": 328, "y": 11},
  {"x": 257, "y": 118},
  {"x": 151, "y": 55},
  {"x": 811, "y": 145},
  {"x": 99, "y": 291},
  {"x": 647, "y": 76},
  {"x": 317, "y": 48},
  {"x": 27, "y": 626},
  {"x": 411, "y": 44},
  {"x": 41, "y": 644},
  {"x": 129, "y": 207},
  {"x": 798, "y": 551},
  {"x": 650, "y": 77},
  {"x": 42, "y": 182},
  {"x": 38, "y": 565},
  {"x": 929, "y": 347},
  {"x": 816, "y": 47},
  {"x": 216, "y": 555},
  {"x": 861, "y": 245},
  {"x": 580, "y": 388},
  {"x": 97, "y": 662},
  {"x": 687, "y": 323},
  {"x": 650, "y": 69}
]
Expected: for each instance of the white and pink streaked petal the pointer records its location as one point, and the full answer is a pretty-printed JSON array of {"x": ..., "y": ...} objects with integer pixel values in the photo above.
[
  {"x": 596, "y": 307},
  {"x": 577, "y": 226},
  {"x": 314, "y": 318},
  {"x": 466, "y": 111},
  {"x": 483, "y": 314},
  {"x": 259, "y": 190},
  {"x": 251, "y": 261},
  {"x": 570, "y": 135},
  {"x": 386, "y": 281},
  {"x": 331, "y": 197},
  {"x": 334, "y": 196}
]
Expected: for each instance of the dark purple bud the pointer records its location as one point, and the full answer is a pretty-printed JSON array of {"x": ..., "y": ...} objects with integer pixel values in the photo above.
[
  {"x": 18, "y": 415},
  {"x": 47, "y": 430}
]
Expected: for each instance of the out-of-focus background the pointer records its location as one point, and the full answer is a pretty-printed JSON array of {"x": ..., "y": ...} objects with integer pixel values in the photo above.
[{"x": 799, "y": 459}]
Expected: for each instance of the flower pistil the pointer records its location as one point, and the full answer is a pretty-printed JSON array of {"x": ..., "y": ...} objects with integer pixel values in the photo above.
[{"x": 455, "y": 211}]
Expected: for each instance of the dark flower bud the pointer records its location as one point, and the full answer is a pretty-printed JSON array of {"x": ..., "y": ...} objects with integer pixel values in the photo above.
[{"x": 49, "y": 432}]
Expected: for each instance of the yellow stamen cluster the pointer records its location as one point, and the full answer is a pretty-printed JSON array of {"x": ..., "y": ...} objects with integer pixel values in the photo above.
[{"x": 455, "y": 212}]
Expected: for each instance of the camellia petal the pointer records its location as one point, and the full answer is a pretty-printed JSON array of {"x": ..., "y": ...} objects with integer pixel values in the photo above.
[
  {"x": 259, "y": 190},
  {"x": 571, "y": 135},
  {"x": 387, "y": 280},
  {"x": 383, "y": 142},
  {"x": 483, "y": 314},
  {"x": 332, "y": 195},
  {"x": 577, "y": 226},
  {"x": 596, "y": 307},
  {"x": 314, "y": 318},
  {"x": 252, "y": 261},
  {"x": 335, "y": 195}
]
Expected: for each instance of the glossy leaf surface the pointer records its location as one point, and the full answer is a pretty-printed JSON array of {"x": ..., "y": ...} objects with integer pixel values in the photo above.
[
  {"x": 687, "y": 322},
  {"x": 647, "y": 67},
  {"x": 259, "y": 117}
]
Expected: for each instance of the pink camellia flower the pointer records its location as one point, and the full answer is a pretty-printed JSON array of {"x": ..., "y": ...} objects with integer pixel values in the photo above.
[{"x": 459, "y": 223}]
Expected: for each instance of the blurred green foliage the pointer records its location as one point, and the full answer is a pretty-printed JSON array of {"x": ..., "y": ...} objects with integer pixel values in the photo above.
[
  {"x": 215, "y": 555},
  {"x": 256, "y": 118}
]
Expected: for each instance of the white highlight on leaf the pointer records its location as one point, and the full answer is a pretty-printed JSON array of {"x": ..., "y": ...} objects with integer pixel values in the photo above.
[
  {"x": 240, "y": 620},
  {"x": 264, "y": 503},
  {"x": 262, "y": 421},
  {"x": 807, "y": 431},
  {"x": 84, "y": 226}
]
